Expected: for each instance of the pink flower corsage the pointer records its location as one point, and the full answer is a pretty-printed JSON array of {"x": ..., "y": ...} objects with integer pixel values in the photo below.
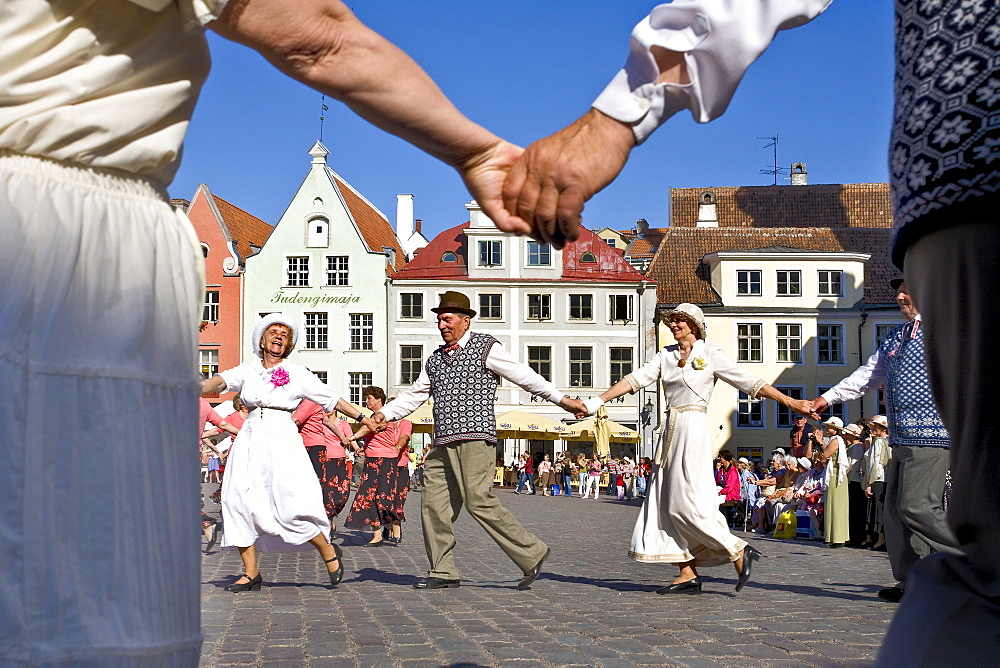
[{"x": 279, "y": 377}]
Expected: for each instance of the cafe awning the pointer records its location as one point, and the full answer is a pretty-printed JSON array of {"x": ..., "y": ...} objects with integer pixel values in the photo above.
[{"x": 520, "y": 424}]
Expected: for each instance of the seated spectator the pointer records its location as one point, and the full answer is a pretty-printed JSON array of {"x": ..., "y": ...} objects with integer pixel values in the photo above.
[
  {"x": 767, "y": 484},
  {"x": 811, "y": 494},
  {"x": 782, "y": 498}
]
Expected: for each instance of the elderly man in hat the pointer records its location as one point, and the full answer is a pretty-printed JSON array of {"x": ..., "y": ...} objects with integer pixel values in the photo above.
[
  {"x": 914, "y": 517},
  {"x": 462, "y": 376}
]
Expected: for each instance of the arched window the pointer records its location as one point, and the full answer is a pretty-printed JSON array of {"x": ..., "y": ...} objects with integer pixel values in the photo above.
[
  {"x": 205, "y": 249},
  {"x": 317, "y": 232},
  {"x": 588, "y": 258},
  {"x": 449, "y": 256}
]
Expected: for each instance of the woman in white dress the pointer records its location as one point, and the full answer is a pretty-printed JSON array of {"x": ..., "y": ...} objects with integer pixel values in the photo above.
[
  {"x": 270, "y": 496},
  {"x": 680, "y": 522}
]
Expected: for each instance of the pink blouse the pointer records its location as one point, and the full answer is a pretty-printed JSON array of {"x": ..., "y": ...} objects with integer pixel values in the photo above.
[
  {"x": 309, "y": 415},
  {"x": 383, "y": 444}
]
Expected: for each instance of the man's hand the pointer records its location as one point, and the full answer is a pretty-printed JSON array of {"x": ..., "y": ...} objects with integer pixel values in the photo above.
[
  {"x": 484, "y": 175},
  {"x": 819, "y": 405},
  {"x": 802, "y": 407},
  {"x": 547, "y": 188},
  {"x": 379, "y": 422}
]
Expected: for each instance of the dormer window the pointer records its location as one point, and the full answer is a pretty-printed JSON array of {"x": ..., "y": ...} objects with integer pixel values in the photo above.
[
  {"x": 748, "y": 282},
  {"x": 588, "y": 258},
  {"x": 831, "y": 283},
  {"x": 789, "y": 283},
  {"x": 490, "y": 253},
  {"x": 539, "y": 254},
  {"x": 449, "y": 256}
]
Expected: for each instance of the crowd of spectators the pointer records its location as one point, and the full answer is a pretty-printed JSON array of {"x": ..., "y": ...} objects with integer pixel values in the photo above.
[{"x": 623, "y": 477}]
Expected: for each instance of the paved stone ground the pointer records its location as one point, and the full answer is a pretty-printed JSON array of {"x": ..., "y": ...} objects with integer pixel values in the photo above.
[{"x": 593, "y": 606}]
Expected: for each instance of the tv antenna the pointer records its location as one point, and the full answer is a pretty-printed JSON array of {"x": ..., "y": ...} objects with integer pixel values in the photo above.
[
  {"x": 775, "y": 170},
  {"x": 323, "y": 108}
]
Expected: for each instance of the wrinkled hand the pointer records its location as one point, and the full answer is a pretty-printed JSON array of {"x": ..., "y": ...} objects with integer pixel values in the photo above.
[
  {"x": 802, "y": 407},
  {"x": 547, "y": 188},
  {"x": 379, "y": 422},
  {"x": 484, "y": 174},
  {"x": 372, "y": 424},
  {"x": 819, "y": 405},
  {"x": 574, "y": 406}
]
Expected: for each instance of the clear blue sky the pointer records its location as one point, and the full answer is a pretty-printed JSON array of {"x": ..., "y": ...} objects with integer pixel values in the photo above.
[{"x": 524, "y": 70}]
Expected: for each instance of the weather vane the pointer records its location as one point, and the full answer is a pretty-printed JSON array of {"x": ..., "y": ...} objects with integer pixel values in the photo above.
[
  {"x": 322, "y": 118},
  {"x": 775, "y": 170}
]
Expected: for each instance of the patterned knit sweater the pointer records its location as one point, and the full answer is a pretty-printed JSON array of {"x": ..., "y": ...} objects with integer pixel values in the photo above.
[
  {"x": 464, "y": 392},
  {"x": 910, "y": 409}
]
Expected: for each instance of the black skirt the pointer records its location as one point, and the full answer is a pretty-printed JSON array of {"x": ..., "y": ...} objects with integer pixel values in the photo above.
[
  {"x": 336, "y": 486},
  {"x": 375, "y": 500}
]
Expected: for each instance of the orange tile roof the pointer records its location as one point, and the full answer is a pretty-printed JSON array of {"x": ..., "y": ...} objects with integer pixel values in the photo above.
[
  {"x": 244, "y": 228},
  {"x": 609, "y": 267},
  {"x": 835, "y": 205},
  {"x": 683, "y": 276},
  {"x": 374, "y": 226}
]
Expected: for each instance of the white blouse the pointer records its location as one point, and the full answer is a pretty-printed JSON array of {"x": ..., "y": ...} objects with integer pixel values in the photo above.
[
  {"x": 103, "y": 83},
  {"x": 720, "y": 39},
  {"x": 257, "y": 387}
]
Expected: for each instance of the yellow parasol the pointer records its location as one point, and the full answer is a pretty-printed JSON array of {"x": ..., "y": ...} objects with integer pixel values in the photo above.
[
  {"x": 591, "y": 430},
  {"x": 422, "y": 419},
  {"x": 519, "y": 424}
]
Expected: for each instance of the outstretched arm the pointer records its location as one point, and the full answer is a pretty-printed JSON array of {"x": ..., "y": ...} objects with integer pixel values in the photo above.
[{"x": 323, "y": 45}]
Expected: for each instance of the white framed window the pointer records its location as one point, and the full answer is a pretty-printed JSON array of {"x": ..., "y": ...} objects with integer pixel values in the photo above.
[
  {"x": 831, "y": 283},
  {"x": 783, "y": 415},
  {"x": 490, "y": 306},
  {"x": 317, "y": 331},
  {"x": 411, "y": 305},
  {"x": 829, "y": 344},
  {"x": 539, "y": 307},
  {"x": 539, "y": 254},
  {"x": 338, "y": 270},
  {"x": 882, "y": 332},
  {"x": 210, "y": 310},
  {"x": 748, "y": 282},
  {"x": 490, "y": 253},
  {"x": 749, "y": 412},
  {"x": 789, "y": 283},
  {"x": 749, "y": 342},
  {"x": 836, "y": 410},
  {"x": 411, "y": 361},
  {"x": 361, "y": 331},
  {"x": 297, "y": 271},
  {"x": 540, "y": 361},
  {"x": 581, "y": 366},
  {"x": 581, "y": 307},
  {"x": 620, "y": 360},
  {"x": 620, "y": 308},
  {"x": 357, "y": 381},
  {"x": 324, "y": 376},
  {"x": 209, "y": 362},
  {"x": 789, "y": 341}
]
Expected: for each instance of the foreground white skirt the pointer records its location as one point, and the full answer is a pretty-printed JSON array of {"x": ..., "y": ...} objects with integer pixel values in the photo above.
[
  {"x": 99, "y": 531},
  {"x": 271, "y": 497},
  {"x": 680, "y": 519}
]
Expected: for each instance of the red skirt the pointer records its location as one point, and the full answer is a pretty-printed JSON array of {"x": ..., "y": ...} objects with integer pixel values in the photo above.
[{"x": 375, "y": 501}]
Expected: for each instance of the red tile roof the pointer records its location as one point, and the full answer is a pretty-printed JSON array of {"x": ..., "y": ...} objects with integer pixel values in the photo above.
[
  {"x": 244, "y": 228},
  {"x": 610, "y": 266},
  {"x": 835, "y": 205},
  {"x": 683, "y": 276},
  {"x": 374, "y": 226}
]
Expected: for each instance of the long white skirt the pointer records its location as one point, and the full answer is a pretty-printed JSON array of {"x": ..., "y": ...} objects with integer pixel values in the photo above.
[
  {"x": 680, "y": 519},
  {"x": 271, "y": 497},
  {"x": 99, "y": 531}
]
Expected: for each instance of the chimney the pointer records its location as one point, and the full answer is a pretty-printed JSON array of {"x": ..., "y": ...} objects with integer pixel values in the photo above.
[
  {"x": 800, "y": 177},
  {"x": 707, "y": 215},
  {"x": 390, "y": 254},
  {"x": 418, "y": 224},
  {"x": 641, "y": 227},
  {"x": 404, "y": 217}
]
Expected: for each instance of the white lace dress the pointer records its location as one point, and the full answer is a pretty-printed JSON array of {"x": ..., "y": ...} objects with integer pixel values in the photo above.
[
  {"x": 270, "y": 495},
  {"x": 680, "y": 519}
]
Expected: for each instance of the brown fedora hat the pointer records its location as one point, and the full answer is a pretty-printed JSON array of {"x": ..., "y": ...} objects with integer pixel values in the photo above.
[{"x": 456, "y": 302}]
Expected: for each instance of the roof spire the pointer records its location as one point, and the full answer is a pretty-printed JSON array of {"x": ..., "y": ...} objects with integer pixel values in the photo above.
[{"x": 319, "y": 153}]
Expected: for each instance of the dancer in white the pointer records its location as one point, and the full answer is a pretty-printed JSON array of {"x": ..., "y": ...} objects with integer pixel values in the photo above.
[
  {"x": 271, "y": 497},
  {"x": 680, "y": 522}
]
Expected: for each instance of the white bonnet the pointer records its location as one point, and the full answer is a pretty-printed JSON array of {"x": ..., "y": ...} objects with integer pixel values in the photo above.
[{"x": 267, "y": 321}]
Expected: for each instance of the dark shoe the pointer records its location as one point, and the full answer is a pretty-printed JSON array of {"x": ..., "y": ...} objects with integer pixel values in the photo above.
[
  {"x": 436, "y": 583},
  {"x": 214, "y": 539},
  {"x": 378, "y": 544},
  {"x": 692, "y": 586},
  {"x": 252, "y": 584},
  {"x": 750, "y": 555},
  {"x": 878, "y": 548},
  {"x": 532, "y": 575},
  {"x": 891, "y": 594},
  {"x": 394, "y": 540},
  {"x": 337, "y": 575}
]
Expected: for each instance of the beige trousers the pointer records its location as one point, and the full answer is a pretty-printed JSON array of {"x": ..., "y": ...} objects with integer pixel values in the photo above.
[{"x": 460, "y": 474}]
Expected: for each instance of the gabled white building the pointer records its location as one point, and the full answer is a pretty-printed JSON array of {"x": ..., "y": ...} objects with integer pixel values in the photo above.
[{"x": 326, "y": 264}]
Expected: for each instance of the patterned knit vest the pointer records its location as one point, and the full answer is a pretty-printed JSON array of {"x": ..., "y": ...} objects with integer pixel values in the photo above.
[
  {"x": 464, "y": 391},
  {"x": 910, "y": 409}
]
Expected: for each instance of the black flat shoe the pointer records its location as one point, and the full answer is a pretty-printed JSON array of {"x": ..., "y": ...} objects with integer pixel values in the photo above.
[
  {"x": 437, "y": 583},
  {"x": 378, "y": 544},
  {"x": 692, "y": 586},
  {"x": 337, "y": 575},
  {"x": 750, "y": 555},
  {"x": 252, "y": 584},
  {"x": 395, "y": 540},
  {"x": 891, "y": 594},
  {"x": 879, "y": 548},
  {"x": 532, "y": 575}
]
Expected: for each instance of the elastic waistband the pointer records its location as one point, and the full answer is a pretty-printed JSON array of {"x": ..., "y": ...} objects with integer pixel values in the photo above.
[{"x": 108, "y": 181}]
